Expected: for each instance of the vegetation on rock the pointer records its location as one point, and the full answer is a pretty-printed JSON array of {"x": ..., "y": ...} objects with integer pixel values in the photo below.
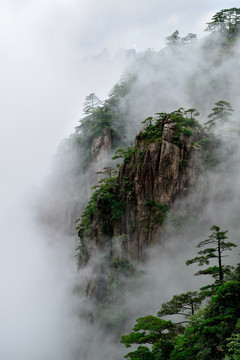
[
  {"x": 227, "y": 22},
  {"x": 108, "y": 202},
  {"x": 211, "y": 333},
  {"x": 128, "y": 207}
]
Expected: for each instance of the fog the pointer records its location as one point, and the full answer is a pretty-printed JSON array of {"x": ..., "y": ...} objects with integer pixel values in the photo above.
[
  {"x": 44, "y": 80},
  {"x": 47, "y": 69},
  {"x": 182, "y": 76}
]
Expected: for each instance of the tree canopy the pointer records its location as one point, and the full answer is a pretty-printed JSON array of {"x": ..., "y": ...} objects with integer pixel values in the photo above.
[
  {"x": 226, "y": 21},
  {"x": 175, "y": 39},
  {"x": 220, "y": 113},
  {"x": 183, "y": 304},
  {"x": 211, "y": 333},
  {"x": 219, "y": 245}
]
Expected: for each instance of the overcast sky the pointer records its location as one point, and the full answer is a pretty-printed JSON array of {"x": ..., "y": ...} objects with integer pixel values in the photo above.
[
  {"x": 43, "y": 83},
  {"x": 42, "y": 42},
  {"x": 90, "y": 25},
  {"x": 43, "y": 80}
]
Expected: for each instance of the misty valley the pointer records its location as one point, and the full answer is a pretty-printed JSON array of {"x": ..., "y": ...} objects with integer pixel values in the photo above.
[{"x": 139, "y": 214}]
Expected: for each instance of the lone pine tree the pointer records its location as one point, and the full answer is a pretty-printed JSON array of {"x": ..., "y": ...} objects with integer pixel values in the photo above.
[{"x": 217, "y": 240}]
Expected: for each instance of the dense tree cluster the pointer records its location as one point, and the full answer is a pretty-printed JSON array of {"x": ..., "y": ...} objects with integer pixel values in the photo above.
[
  {"x": 212, "y": 332},
  {"x": 175, "y": 39},
  {"x": 226, "y": 21},
  {"x": 114, "y": 112}
]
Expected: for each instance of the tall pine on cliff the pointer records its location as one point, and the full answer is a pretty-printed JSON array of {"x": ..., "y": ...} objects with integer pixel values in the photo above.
[
  {"x": 211, "y": 333},
  {"x": 205, "y": 336}
]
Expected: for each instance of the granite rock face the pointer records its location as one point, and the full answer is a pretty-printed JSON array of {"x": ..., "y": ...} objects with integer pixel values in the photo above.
[
  {"x": 148, "y": 183},
  {"x": 101, "y": 145}
]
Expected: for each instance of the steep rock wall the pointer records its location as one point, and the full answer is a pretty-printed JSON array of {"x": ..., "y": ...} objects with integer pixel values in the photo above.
[
  {"x": 154, "y": 174},
  {"x": 100, "y": 149}
]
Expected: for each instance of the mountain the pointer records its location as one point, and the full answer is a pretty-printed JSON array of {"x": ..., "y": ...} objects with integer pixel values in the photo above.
[
  {"x": 127, "y": 209},
  {"x": 146, "y": 213}
]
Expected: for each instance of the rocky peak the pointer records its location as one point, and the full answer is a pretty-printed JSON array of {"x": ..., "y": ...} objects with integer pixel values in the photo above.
[
  {"x": 102, "y": 145},
  {"x": 126, "y": 211}
]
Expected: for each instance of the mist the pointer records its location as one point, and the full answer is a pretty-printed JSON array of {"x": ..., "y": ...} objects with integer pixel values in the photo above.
[
  {"x": 47, "y": 69},
  {"x": 44, "y": 80},
  {"x": 185, "y": 77}
]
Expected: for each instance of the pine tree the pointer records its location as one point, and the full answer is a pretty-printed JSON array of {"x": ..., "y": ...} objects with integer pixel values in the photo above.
[
  {"x": 220, "y": 113},
  {"x": 226, "y": 21},
  {"x": 184, "y": 304},
  {"x": 217, "y": 240}
]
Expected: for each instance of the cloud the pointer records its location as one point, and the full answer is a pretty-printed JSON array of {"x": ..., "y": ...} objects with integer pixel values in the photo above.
[{"x": 44, "y": 81}]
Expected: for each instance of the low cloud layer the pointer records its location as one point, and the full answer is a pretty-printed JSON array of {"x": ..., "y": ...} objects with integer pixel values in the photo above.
[{"x": 44, "y": 80}]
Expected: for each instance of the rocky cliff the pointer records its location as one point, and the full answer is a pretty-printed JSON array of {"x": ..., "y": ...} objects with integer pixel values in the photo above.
[{"x": 127, "y": 210}]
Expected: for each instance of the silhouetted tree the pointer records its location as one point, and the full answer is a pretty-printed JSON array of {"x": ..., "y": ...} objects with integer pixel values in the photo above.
[
  {"x": 226, "y": 21},
  {"x": 217, "y": 240},
  {"x": 220, "y": 113},
  {"x": 92, "y": 102},
  {"x": 184, "y": 304}
]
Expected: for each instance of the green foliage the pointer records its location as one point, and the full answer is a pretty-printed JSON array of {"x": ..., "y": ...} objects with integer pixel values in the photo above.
[
  {"x": 221, "y": 113},
  {"x": 156, "y": 332},
  {"x": 192, "y": 345},
  {"x": 142, "y": 353},
  {"x": 174, "y": 39},
  {"x": 107, "y": 200},
  {"x": 206, "y": 337},
  {"x": 79, "y": 250},
  {"x": 92, "y": 102},
  {"x": 190, "y": 37},
  {"x": 117, "y": 113},
  {"x": 158, "y": 212},
  {"x": 226, "y": 21},
  {"x": 123, "y": 266},
  {"x": 148, "y": 121},
  {"x": 126, "y": 154},
  {"x": 141, "y": 155},
  {"x": 212, "y": 333},
  {"x": 99, "y": 116},
  {"x": 187, "y": 131},
  {"x": 224, "y": 309},
  {"x": 233, "y": 345},
  {"x": 184, "y": 124},
  {"x": 217, "y": 240},
  {"x": 182, "y": 119},
  {"x": 149, "y": 330},
  {"x": 94, "y": 121},
  {"x": 184, "y": 304},
  {"x": 152, "y": 131},
  {"x": 107, "y": 196},
  {"x": 235, "y": 275}
]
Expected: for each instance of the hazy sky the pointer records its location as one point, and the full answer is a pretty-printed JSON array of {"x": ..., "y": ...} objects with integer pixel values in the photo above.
[
  {"x": 43, "y": 83},
  {"x": 90, "y": 25}
]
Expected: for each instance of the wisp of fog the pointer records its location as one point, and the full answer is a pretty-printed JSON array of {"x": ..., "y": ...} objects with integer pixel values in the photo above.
[{"x": 41, "y": 305}]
